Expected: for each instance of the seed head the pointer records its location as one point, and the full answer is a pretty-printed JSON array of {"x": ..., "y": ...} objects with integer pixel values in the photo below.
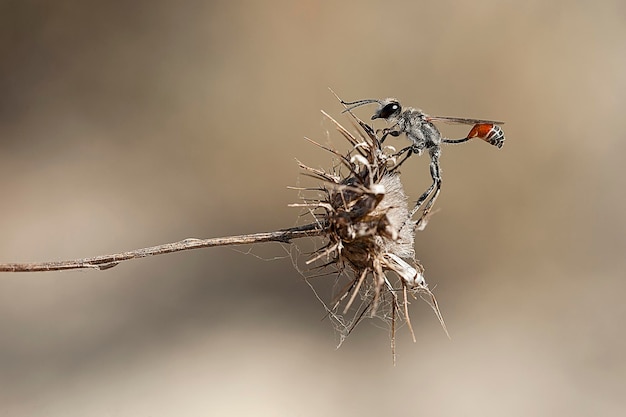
[{"x": 362, "y": 206}]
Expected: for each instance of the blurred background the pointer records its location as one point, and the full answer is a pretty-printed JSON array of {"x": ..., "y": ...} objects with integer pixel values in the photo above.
[{"x": 129, "y": 124}]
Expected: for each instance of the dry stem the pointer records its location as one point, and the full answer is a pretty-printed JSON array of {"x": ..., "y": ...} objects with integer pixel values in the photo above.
[{"x": 109, "y": 261}]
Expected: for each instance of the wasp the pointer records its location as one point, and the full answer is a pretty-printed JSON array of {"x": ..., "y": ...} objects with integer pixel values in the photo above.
[{"x": 424, "y": 135}]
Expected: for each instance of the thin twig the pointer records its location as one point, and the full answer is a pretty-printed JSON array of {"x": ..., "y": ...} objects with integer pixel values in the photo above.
[{"x": 108, "y": 261}]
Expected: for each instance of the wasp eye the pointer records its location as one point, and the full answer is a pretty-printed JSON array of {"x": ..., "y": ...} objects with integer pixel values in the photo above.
[{"x": 391, "y": 109}]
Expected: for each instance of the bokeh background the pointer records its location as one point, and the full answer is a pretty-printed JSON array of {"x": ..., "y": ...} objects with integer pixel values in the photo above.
[{"x": 128, "y": 124}]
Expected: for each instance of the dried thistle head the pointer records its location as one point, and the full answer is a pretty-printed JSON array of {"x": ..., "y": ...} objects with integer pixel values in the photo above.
[{"x": 363, "y": 209}]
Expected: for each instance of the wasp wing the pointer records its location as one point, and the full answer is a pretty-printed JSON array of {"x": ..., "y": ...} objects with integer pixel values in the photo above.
[{"x": 461, "y": 120}]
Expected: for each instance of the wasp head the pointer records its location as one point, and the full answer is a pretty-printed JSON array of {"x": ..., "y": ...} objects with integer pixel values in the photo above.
[{"x": 388, "y": 109}]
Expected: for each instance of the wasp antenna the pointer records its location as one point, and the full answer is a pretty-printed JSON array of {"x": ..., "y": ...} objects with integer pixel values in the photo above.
[{"x": 359, "y": 103}]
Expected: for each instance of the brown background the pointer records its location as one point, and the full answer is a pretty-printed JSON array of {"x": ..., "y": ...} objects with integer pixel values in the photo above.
[{"x": 126, "y": 125}]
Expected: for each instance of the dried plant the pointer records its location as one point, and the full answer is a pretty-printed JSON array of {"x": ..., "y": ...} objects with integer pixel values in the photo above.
[
  {"x": 369, "y": 234},
  {"x": 360, "y": 210}
]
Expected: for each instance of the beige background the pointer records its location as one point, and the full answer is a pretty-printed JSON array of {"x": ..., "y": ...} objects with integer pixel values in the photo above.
[{"x": 127, "y": 125}]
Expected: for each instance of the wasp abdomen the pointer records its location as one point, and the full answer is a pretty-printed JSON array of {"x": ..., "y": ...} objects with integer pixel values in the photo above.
[{"x": 488, "y": 132}]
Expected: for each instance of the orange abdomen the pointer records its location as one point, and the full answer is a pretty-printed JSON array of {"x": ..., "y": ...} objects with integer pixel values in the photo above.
[{"x": 488, "y": 132}]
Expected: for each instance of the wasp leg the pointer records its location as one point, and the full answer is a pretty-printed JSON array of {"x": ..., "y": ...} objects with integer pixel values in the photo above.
[
  {"x": 387, "y": 132},
  {"x": 434, "y": 189},
  {"x": 409, "y": 150}
]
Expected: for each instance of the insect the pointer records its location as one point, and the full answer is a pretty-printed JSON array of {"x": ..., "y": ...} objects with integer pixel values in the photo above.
[{"x": 424, "y": 135}]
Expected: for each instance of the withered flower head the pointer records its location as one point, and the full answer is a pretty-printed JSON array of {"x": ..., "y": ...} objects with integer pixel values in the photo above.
[{"x": 364, "y": 211}]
